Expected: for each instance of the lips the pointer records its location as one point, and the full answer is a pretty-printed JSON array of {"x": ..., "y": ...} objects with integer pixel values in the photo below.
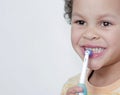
[{"x": 97, "y": 51}]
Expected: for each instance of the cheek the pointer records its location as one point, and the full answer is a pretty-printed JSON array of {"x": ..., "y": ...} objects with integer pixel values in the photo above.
[
  {"x": 114, "y": 42},
  {"x": 75, "y": 36},
  {"x": 114, "y": 38}
]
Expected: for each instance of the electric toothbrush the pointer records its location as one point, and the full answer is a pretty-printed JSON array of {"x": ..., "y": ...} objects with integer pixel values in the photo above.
[{"x": 83, "y": 72}]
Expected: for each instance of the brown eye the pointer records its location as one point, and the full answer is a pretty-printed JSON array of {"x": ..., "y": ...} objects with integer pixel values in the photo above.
[
  {"x": 105, "y": 23},
  {"x": 81, "y": 22}
]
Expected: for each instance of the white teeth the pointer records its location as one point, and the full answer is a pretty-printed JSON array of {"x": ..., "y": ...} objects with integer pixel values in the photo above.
[{"x": 95, "y": 50}]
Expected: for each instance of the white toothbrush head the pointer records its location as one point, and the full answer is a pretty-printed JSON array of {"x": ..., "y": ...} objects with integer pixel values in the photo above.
[{"x": 89, "y": 52}]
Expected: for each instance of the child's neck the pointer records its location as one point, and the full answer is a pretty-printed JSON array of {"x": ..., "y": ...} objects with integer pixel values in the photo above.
[{"x": 106, "y": 75}]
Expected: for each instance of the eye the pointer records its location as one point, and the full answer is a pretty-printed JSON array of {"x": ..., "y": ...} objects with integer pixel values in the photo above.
[
  {"x": 81, "y": 22},
  {"x": 105, "y": 23}
]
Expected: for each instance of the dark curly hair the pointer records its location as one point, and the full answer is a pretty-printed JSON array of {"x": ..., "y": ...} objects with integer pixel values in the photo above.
[{"x": 68, "y": 10}]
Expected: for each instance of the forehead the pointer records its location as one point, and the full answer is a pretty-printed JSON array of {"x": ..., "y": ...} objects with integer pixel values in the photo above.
[{"x": 96, "y": 6}]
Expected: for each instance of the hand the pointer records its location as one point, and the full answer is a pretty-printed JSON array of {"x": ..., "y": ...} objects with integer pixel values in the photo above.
[{"x": 74, "y": 90}]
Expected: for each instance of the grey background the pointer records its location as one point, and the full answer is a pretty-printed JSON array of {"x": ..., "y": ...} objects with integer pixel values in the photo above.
[{"x": 36, "y": 56}]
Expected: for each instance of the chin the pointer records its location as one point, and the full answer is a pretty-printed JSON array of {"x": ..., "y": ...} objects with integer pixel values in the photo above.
[{"x": 94, "y": 67}]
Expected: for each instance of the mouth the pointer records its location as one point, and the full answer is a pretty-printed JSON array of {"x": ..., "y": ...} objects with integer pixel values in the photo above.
[{"x": 96, "y": 51}]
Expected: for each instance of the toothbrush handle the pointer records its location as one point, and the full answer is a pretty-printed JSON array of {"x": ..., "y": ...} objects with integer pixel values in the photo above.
[
  {"x": 84, "y": 89},
  {"x": 81, "y": 93}
]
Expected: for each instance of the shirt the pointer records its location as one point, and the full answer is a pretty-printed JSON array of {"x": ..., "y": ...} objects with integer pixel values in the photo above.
[{"x": 112, "y": 89}]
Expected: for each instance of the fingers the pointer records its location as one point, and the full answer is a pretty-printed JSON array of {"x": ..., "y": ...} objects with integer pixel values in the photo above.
[{"x": 74, "y": 90}]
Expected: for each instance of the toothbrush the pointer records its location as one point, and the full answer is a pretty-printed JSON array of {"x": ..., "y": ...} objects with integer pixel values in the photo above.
[{"x": 83, "y": 72}]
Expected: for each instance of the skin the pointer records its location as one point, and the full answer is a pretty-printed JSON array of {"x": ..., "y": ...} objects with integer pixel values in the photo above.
[{"x": 96, "y": 23}]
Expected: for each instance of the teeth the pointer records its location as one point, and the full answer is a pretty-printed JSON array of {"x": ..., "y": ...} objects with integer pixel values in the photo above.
[{"x": 95, "y": 50}]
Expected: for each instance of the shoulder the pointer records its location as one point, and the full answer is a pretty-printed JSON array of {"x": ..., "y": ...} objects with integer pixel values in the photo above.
[{"x": 73, "y": 81}]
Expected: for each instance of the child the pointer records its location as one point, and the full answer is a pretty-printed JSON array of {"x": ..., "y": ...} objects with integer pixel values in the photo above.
[{"x": 95, "y": 25}]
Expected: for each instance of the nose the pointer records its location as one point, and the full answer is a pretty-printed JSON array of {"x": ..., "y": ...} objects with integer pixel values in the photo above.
[{"x": 91, "y": 34}]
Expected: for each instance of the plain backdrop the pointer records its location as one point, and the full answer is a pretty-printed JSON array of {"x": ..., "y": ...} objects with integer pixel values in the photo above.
[{"x": 36, "y": 55}]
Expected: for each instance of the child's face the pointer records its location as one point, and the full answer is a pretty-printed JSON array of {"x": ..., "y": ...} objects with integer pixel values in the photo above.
[{"x": 96, "y": 25}]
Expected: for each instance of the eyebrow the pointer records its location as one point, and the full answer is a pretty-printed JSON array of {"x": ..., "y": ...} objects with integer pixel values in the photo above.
[
  {"x": 75, "y": 14},
  {"x": 98, "y": 17},
  {"x": 107, "y": 15}
]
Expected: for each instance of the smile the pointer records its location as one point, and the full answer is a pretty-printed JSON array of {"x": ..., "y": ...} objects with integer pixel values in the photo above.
[{"x": 97, "y": 51}]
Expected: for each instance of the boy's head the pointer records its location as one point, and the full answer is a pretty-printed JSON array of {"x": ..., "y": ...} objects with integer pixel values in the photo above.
[
  {"x": 68, "y": 9},
  {"x": 95, "y": 25}
]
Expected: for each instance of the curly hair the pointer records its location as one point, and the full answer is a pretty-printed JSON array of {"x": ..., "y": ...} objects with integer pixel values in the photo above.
[{"x": 68, "y": 10}]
